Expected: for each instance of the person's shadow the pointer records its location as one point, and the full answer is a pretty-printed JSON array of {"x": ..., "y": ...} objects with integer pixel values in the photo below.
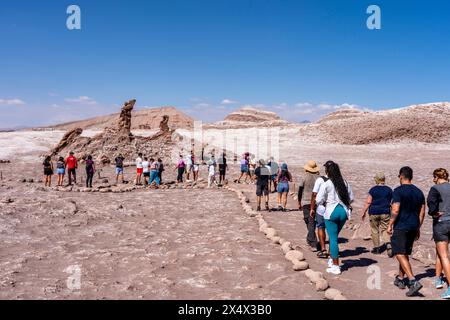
[
  {"x": 352, "y": 263},
  {"x": 353, "y": 252},
  {"x": 429, "y": 273}
]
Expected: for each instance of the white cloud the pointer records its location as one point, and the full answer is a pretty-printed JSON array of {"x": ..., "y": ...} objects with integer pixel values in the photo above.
[
  {"x": 82, "y": 100},
  {"x": 228, "y": 102},
  {"x": 11, "y": 102}
]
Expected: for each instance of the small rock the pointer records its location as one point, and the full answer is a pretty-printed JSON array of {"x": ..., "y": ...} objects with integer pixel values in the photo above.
[
  {"x": 331, "y": 294},
  {"x": 294, "y": 255},
  {"x": 300, "y": 266},
  {"x": 322, "y": 285}
]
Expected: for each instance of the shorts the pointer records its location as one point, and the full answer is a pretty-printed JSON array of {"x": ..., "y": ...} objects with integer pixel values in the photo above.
[
  {"x": 61, "y": 171},
  {"x": 119, "y": 170},
  {"x": 441, "y": 231},
  {"x": 283, "y": 187},
  {"x": 195, "y": 167},
  {"x": 140, "y": 170},
  {"x": 147, "y": 174},
  {"x": 402, "y": 241},
  {"x": 244, "y": 169},
  {"x": 189, "y": 168},
  {"x": 262, "y": 190},
  {"x": 273, "y": 177},
  {"x": 48, "y": 172},
  {"x": 320, "y": 221}
]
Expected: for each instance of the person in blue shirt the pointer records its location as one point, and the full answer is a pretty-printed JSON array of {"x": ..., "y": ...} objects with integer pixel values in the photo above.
[
  {"x": 408, "y": 213},
  {"x": 378, "y": 205}
]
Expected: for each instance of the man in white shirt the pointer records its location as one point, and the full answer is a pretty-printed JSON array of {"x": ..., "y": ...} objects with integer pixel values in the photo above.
[
  {"x": 139, "y": 169},
  {"x": 317, "y": 212}
]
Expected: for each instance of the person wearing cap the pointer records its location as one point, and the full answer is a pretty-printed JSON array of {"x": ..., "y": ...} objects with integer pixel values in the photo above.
[
  {"x": 283, "y": 179},
  {"x": 305, "y": 189},
  {"x": 262, "y": 174},
  {"x": 317, "y": 213},
  {"x": 378, "y": 205}
]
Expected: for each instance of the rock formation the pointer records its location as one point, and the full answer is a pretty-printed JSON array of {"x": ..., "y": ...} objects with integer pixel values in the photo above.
[
  {"x": 251, "y": 117},
  {"x": 429, "y": 123},
  {"x": 69, "y": 138},
  {"x": 117, "y": 138}
]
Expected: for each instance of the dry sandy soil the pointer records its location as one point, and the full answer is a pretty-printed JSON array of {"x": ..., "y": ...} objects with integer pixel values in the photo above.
[{"x": 185, "y": 244}]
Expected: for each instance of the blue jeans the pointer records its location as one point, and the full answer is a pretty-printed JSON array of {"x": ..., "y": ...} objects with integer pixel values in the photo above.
[
  {"x": 334, "y": 226},
  {"x": 154, "y": 176}
]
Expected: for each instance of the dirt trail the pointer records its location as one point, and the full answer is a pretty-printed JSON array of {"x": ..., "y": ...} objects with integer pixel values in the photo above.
[{"x": 358, "y": 264}]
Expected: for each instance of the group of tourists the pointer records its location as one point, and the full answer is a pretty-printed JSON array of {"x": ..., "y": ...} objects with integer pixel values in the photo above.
[
  {"x": 396, "y": 217},
  {"x": 148, "y": 170},
  {"x": 69, "y": 166}
]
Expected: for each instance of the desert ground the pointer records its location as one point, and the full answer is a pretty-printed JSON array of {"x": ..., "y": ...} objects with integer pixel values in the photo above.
[{"x": 185, "y": 241}]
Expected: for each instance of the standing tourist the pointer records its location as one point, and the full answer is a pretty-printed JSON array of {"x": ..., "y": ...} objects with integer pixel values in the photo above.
[
  {"x": 119, "y": 167},
  {"x": 160, "y": 169},
  {"x": 408, "y": 212},
  {"x": 378, "y": 205},
  {"x": 222, "y": 168},
  {"x": 180, "y": 167},
  {"x": 154, "y": 172},
  {"x": 48, "y": 171},
  {"x": 338, "y": 196},
  {"x": 439, "y": 208},
  {"x": 305, "y": 190},
  {"x": 146, "y": 170},
  {"x": 318, "y": 213},
  {"x": 61, "y": 171},
  {"x": 283, "y": 179},
  {"x": 262, "y": 174},
  {"x": 72, "y": 166},
  {"x": 139, "y": 169},
  {"x": 90, "y": 170}
]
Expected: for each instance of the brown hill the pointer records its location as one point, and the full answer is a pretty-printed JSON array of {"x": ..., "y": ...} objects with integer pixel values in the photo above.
[
  {"x": 250, "y": 117},
  {"x": 429, "y": 123},
  {"x": 148, "y": 119}
]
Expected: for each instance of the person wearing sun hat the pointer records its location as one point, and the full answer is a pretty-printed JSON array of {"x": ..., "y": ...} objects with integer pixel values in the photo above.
[{"x": 305, "y": 190}]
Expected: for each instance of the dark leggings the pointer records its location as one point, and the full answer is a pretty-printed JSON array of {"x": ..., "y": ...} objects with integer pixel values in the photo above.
[
  {"x": 180, "y": 174},
  {"x": 89, "y": 178}
]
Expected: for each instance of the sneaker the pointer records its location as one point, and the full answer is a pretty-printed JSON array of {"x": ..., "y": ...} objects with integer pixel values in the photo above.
[
  {"x": 439, "y": 283},
  {"x": 446, "y": 294},
  {"x": 334, "y": 269},
  {"x": 414, "y": 288},
  {"x": 400, "y": 283},
  {"x": 280, "y": 208},
  {"x": 330, "y": 263},
  {"x": 267, "y": 207},
  {"x": 389, "y": 252},
  {"x": 258, "y": 209}
]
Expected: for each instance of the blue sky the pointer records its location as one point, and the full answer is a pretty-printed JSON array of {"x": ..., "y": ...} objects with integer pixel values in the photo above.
[{"x": 208, "y": 57}]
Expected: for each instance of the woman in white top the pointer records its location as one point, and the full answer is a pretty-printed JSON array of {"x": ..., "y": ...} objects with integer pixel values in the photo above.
[{"x": 337, "y": 194}]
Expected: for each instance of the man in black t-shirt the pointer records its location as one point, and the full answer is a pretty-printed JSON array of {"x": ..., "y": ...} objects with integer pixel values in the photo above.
[
  {"x": 408, "y": 212},
  {"x": 262, "y": 174},
  {"x": 222, "y": 168}
]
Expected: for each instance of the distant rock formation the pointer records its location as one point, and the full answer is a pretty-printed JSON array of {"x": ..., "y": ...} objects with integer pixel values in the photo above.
[
  {"x": 250, "y": 117},
  {"x": 428, "y": 123},
  {"x": 143, "y": 119},
  {"x": 117, "y": 138}
]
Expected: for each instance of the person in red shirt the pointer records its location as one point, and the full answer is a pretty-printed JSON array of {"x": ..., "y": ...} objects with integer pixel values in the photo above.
[{"x": 71, "y": 166}]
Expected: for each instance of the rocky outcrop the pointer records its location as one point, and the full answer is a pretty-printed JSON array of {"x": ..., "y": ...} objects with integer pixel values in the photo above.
[
  {"x": 250, "y": 117},
  {"x": 117, "y": 138},
  {"x": 69, "y": 138},
  {"x": 143, "y": 119},
  {"x": 428, "y": 123}
]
